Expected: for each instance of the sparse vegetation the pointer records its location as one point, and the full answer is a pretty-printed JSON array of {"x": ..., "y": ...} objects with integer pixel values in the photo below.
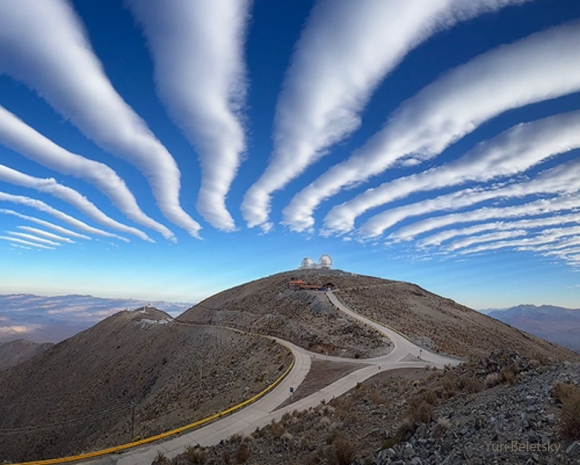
[
  {"x": 243, "y": 453},
  {"x": 417, "y": 312},
  {"x": 341, "y": 452},
  {"x": 160, "y": 459},
  {"x": 195, "y": 455},
  {"x": 569, "y": 397},
  {"x": 123, "y": 360}
]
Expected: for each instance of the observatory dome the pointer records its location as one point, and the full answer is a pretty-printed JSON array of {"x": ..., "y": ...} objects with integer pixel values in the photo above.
[
  {"x": 307, "y": 263},
  {"x": 325, "y": 261}
]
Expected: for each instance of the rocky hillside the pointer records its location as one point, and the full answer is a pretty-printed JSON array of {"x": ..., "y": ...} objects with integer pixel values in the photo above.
[
  {"x": 304, "y": 317},
  {"x": 15, "y": 352},
  {"x": 83, "y": 393},
  {"x": 502, "y": 409},
  {"x": 441, "y": 324},
  {"x": 307, "y": 319}
]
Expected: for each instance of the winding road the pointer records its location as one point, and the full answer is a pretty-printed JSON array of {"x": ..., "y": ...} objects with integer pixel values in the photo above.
[{"x": 405, "y": 354}]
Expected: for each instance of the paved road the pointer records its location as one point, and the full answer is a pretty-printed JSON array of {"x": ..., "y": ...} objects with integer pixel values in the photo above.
[{"x": 405, "y": 354}]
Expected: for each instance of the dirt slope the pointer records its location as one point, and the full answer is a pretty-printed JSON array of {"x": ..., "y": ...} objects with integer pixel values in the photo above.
[
  {"x": 78, "y": 395},
  {"x": 304, "y": 317},
  {"x": 443, "y": 324}
]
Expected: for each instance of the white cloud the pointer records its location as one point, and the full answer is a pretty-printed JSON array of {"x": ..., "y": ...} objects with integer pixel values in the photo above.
[
  {"x": 18, "y": 329},
  {"x": 438, "y": 238},
  {"x": 41, "y": 206},
  {"x": 344, "y": 52},
  {"x": 547, "y": 239},
  {"x": 51, "y": 186},
  {"x": 25, "y": 242},
  {"x": 535, "y": 208},
  {"x": 561, "y": 180},
  {"x": 491, "y": 237},
  {"x": 43, "y": 44},
  {"x": 514, "y": 151},
  {"x": 200, "y": 76},
  {"x": 44, "y": 223},
  {"x": 40, "y": 232},
  {"x": 20, "y": 137},
  {"x": 32, "y": 237},
  {"x": 539, "y": 67},
  {"x": 17, "y": 246}
]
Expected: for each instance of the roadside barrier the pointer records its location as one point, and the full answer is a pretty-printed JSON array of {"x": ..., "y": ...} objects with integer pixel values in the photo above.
[{"x": 181, "y": 429}]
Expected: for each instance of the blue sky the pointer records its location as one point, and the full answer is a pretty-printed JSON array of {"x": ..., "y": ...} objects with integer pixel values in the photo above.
[{"x": 169, "y": 150}]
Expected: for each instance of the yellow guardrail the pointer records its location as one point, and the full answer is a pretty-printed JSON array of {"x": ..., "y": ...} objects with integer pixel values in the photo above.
[{"x": 181, "y": 429}]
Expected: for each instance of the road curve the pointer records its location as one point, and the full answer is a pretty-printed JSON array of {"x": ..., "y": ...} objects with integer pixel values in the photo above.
[{"x": 405, "y": 354}]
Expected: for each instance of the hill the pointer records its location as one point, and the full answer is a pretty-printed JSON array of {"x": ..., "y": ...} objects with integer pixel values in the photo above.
[
  {"x": 304, "y": 317},
  {"x": 268, "y": 306},
  {"x": 555, "y": 324},
  {"x": 80, "y": 394},
  {"x": 55, "y": 318},
  {"x": 15, "y": 352}
]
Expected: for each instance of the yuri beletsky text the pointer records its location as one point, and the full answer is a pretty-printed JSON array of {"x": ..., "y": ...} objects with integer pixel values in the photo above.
[{"x": 525, "y": 446}]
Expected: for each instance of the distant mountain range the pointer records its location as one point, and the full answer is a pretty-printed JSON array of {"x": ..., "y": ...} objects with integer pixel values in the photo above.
[
  {"x": 53, "y": 319},
  {"x": 555, "y": 324}
]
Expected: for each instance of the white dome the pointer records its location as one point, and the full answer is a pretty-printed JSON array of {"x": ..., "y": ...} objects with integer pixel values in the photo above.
[
  {"x": 325, "y": 261},
  {"x": 307, "y": 263}
]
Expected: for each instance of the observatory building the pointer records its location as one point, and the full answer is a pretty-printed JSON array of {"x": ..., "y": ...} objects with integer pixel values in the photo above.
[{"x": 324, "y": 263}]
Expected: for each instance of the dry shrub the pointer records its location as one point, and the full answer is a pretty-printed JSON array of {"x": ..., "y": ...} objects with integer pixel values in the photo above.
[
  {"x": 243, "y": 453},
  {"x": 160, "y": 459},
  {"x": 569, "y": 396},
  {"x": 442, "y": 425},
  {"x": 449, "y": 385},
  {"x": 421, "y": 412},
  {"x": 562, "y": 391},
  {"x": 508, "y": 373},
  {"x": 405, "y": 430},
  {"x": 344, "y": 408},
  {"x": 491, "y": 380},
  {"x": 332, "y": 436},
  {"x": 470, "y": 383},
  {"x": 377, "y": 398},
  {"x": 421, "y": 406},
  {"x": 195, "y": 455},
  {"x": 428, "y": 396},
  {"x": 277, "y": 429},
  {"x": 542, "y": 359},
  {"x": 341, "y": 453}
]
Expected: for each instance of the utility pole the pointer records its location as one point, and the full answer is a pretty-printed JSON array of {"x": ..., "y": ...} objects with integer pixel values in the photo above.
[{"x": 132, "y": 421}]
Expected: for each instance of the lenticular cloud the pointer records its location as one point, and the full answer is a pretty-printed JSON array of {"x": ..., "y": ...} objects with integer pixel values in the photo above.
[
  {"x": 20, "y": 137},
  {"x": 44, "y": 223},
  {"x": 43, "y": 44},
  {"x": 540, "y": 67},
  {"x": 512, "y": 152},
  {"x": 69, "y": 195},
  {"x": 41, "y": 206},
  {"x": 200, "y": 76},
  {"x": 345, "y": 50}
]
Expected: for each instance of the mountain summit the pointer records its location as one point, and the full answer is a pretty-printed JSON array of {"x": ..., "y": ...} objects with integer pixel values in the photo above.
[{"x": 270, "y": 306}]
